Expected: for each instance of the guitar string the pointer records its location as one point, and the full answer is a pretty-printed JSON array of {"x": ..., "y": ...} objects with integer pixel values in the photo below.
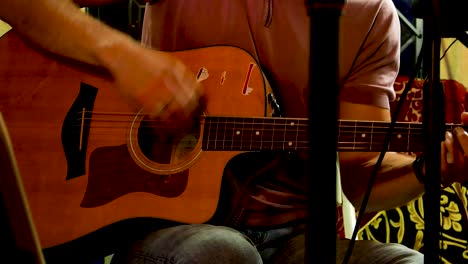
[
  {"x": 247, "y": 134},
  {"x": 250, "y": 121},
  {"x": 252, "y": 118},
  {"x": 255, "y": 117},
  {"x": 351, "y": 132},
  {"x": 355, "y": 130},
  {"x": 132, "y": 114},
  {"x": 296, "y": 144},
  {"x": 401, "y": 125},
  {"x": 353, "y": 144}
]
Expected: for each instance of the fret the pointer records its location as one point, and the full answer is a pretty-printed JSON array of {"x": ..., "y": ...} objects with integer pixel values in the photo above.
[
  {"x": 242, "y": 133},
  {"x": 406, "y": 133},
  {"x": 261, "y": 134},
  {"x": 364, "y": 135},
  {"x": 216, "y": 134},
  {"x": 339, "y": 131},
  {"x": 303, "y": 140},
  {"x": 285, "y": 128},
  {"x": 224, "y": 131},
  {"x": 298, "y": 124},
  {"x": 346, "y": 140},
  {"x": 379, "y": 136},
  {"x": 229, "y": 133},
  {"x": 208, "y": 125},
  {"x": 236, "y": 134},
  {"x": 279, "y": 133},
  {"x": 289, "y": 126},
  {"x": 354, "y": 135},
  {"x": 247, "y": 133},
  {"x": 408, "y": 138},
  {"x": 258, "y": 132},
  {"x": 398, "y": 138},
  {"x": 385, "y": 138},
  {"x": 252, "y": 132},
  {"x": 295, "y": 134},
  {"x": 273, "y": 133},
  {"x": 363, "y": 139}
]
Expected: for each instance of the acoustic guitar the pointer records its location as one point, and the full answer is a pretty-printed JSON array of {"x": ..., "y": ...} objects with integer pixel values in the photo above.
[{"x": 88, "y": 159}]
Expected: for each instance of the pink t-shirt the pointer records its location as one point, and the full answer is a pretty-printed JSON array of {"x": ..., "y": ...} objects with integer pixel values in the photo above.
[{"x": 276, "y": 32}]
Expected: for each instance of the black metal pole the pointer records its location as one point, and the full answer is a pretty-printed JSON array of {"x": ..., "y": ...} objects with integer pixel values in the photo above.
[
  {"x": 323, "y": 128},
  {"x": 433, "y": 126}
]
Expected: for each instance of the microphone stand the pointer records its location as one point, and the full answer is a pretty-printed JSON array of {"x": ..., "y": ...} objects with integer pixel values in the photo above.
[
  {"x": 433, "y": 129},
  {"x": 323, "y": 119}
]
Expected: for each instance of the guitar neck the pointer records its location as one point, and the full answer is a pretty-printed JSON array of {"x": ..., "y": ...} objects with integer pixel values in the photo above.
[{"x": 275, "y": 134}]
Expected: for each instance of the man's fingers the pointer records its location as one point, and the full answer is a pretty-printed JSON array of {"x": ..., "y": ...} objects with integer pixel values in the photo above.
[
  {"x": 185, "y": 89},
  {"x": 464, "y": 118},
  {"x": 462, "y": 138},
  {"x": 449, "y": 148}
]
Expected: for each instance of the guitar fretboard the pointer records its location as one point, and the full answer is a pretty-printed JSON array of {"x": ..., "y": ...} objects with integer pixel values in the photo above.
[{"x": 258, "y": 133}]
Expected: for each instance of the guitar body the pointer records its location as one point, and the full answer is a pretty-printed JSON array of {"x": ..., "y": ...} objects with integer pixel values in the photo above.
[{"x": 79, "y": 144}]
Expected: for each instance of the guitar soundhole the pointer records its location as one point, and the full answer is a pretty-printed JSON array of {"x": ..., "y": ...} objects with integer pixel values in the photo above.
[{"x": 166, "y": 142}]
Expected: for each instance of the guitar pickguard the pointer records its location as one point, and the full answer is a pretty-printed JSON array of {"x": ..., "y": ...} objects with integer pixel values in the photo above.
[
  {"x": 75, "y": 131},
  {"x": 113, "y": 173}
]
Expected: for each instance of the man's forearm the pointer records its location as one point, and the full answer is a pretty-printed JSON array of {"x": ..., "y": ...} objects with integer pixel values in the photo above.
[
  {"x": 395, "y": 185},
  {"x": 61, "y": 27},
  {"x": 395, "y": 193},
  {"x": 96, "y": 3}
]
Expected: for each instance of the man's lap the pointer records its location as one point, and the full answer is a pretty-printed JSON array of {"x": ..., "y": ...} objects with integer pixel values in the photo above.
[{"x": 217, "y": 244}]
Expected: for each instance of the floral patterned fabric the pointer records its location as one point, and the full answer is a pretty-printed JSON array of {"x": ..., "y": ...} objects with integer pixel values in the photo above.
[{"x": 405, "y": 225}]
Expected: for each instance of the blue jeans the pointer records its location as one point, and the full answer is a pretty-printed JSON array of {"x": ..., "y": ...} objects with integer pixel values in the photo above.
[{"x": 208, "y": 244}]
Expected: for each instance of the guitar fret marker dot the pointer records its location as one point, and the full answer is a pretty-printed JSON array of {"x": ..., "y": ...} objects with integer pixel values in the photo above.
[
  {"x": 257, "y": 133},
  {"x": 237, "y": 132}
]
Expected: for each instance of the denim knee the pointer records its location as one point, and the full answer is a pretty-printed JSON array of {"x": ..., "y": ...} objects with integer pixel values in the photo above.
[
  {"x": 367, "y": 251},
  {"x": 193, "y": 244}
]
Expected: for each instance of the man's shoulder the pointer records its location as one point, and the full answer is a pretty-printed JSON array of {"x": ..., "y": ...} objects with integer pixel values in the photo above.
[
  {"x": 363, "y": 14},
  {"x": 369, "y": 6}
]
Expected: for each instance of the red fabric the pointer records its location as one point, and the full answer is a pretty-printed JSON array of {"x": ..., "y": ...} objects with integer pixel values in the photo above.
[{"x": 454, "y": 93}]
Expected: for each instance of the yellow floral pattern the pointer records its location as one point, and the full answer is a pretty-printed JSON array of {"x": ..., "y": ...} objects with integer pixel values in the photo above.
[{"x": 405, "y": 225}]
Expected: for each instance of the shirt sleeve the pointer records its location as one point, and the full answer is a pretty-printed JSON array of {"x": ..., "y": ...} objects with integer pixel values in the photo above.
[{"x": 376, "y": 65}]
